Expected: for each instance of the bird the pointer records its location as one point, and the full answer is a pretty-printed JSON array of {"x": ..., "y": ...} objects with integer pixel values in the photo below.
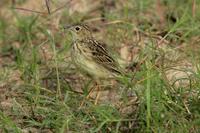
[{"x": 90, "y": 55}]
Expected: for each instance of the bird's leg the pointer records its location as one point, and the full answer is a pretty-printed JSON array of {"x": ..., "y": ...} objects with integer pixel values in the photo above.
[
  {"x": 98, "y": 94},
  {"x": 90, "y": 91},
  {"x": 89, "y": 94}
]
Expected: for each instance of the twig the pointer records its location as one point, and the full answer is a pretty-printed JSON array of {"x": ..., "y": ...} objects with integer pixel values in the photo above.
[
  {"x": 193, "y": 8},
  {"x": 43, "y": 13},
  {"x": 48, "y": 7},
  {"x": 24, "y": 9}
]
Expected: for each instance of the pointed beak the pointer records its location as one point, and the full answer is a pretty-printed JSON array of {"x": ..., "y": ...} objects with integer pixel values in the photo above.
[{"x": 67, "y": 27}]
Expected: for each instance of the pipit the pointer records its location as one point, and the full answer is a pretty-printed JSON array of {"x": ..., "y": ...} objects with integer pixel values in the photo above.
[{"x": 91, "y": 56}]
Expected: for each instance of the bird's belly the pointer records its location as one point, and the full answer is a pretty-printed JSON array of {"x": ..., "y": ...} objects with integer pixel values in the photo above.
[{"x": 90, "y": 66}]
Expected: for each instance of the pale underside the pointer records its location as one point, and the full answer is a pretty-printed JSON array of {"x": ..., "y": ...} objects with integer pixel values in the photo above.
[{"x": 93, "y": 58}]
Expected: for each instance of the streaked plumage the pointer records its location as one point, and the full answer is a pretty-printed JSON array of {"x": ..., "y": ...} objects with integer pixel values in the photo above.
[{"x": 90, "y": 55}]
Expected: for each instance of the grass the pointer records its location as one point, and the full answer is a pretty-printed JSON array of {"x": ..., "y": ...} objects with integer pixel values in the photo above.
[{"x": 39, "y": 83}]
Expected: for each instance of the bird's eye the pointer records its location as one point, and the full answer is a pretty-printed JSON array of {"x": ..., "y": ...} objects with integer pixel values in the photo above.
[{"x": 77, "y": 28}]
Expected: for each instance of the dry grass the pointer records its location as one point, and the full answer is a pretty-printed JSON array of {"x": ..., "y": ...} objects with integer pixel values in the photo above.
[{"x": 156, "y": 42}]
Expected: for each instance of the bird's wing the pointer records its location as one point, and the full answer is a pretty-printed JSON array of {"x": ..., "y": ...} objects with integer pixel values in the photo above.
[{"x": 101, "y": 56}]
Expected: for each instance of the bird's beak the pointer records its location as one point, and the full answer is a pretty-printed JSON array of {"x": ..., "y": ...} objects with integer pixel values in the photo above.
[{"x": 67, "y": 27}]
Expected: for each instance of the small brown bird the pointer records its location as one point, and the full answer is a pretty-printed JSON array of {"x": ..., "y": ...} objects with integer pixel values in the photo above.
[{"x": 91, "y": 56}]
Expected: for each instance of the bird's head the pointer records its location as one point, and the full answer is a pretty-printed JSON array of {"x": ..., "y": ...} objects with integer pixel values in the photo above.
[{"x": 80, "y": 32}]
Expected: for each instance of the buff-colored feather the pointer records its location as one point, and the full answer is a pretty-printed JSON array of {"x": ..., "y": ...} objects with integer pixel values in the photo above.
[{"x": 92, "y": 56}]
